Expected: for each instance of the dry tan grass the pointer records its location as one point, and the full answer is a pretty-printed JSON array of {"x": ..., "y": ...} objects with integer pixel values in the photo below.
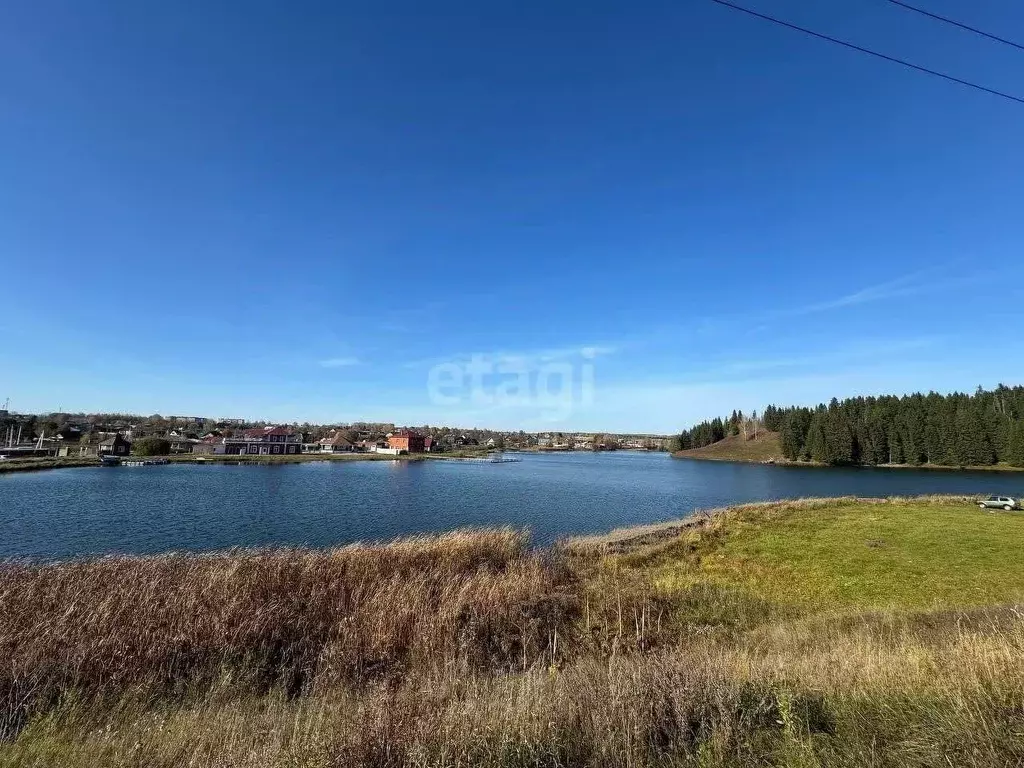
[
  {"x": 297, "y": 619},
  {"x": 867, "y": 701},
  {"x": 471, "y": 650}
]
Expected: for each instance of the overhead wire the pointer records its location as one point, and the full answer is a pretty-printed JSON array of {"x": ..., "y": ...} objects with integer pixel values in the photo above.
[{"x": 870, "y": 52}]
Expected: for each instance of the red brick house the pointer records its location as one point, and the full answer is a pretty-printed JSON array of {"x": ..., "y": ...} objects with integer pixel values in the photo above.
[{"x": 407, "y": 440}]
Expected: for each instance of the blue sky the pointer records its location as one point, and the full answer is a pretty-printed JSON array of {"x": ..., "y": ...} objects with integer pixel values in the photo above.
[{"x": 298, "y": 211}]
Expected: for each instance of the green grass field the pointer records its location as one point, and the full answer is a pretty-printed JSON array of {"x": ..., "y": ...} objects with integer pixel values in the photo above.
[{"x": 859, "y": 555}]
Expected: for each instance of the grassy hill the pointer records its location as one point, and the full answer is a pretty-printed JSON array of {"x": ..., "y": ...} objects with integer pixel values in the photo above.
[
  {"x": 735, "y": 448},
  {"x": 814, "y": 633}
]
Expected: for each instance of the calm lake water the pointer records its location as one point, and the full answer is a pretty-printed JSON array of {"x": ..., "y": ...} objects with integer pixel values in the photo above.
[{"x": 75, "y": 512}]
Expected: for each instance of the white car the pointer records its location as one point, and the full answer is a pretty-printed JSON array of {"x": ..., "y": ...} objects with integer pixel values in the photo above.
[{"x": 999, "y": 502}]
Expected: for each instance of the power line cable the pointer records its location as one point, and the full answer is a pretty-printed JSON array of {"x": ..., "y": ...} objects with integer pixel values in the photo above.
[
  {"x": 868, "y": 51},
  {"x": 956, "y": 23}
]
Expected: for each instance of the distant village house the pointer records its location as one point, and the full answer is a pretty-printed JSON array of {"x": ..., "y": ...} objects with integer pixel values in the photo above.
[
  {"x": 337, "y": 443},
  {"x": 263, "y": 441},
  {"x": 97, "y": 444},
  {"x": 407, "y": 440}
]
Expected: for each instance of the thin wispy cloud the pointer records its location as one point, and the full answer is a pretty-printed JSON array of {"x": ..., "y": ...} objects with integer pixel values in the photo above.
[
  {"x": 915, "y": 284},
  {"x": 519, "y": 359},
  {"x": 597, "y": 351},
  {"x": 393, "y": 327},
  {"x": 869, "y": 350},
  {"x": 930, "y": 281},
  {"x": 339, "y": 362}
]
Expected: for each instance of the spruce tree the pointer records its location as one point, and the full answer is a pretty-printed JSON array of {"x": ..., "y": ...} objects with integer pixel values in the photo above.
[
  {"x": 956, "y": 429},
  {"x": 972, "y": 443},
  {"x": 896, "y": 453},
  {"x": 1015, "y": 444},
  {"x": 792, "y": 436},
  {"x": 912, "y": 429},
  {"x": 816, "y": 447},
  {"x": 839, "y": 445}
]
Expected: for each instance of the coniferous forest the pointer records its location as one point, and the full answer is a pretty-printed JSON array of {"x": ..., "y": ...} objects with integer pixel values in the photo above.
[{"x": 979, "y": 429}]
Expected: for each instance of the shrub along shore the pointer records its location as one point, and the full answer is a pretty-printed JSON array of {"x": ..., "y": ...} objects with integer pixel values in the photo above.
[{"x": 821, "y": 632}]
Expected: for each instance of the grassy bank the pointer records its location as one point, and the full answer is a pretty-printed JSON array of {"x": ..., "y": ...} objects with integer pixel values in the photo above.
[
  {"x": 735, "y": 448},
  {"x": 830, "y": 632},
  {"x": 33, "y": 464},
  {"x": 849, "y": 554}
]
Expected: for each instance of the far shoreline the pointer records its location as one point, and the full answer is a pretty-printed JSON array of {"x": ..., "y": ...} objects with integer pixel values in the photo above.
[
  {"x": 819, "y": 465},
  {"x": 43, "y": 464}
]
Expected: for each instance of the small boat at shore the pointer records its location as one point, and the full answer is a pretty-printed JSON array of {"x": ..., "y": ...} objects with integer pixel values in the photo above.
[
  {"x": 500, "y": 458},
  {"x": 118, "y": 461}
]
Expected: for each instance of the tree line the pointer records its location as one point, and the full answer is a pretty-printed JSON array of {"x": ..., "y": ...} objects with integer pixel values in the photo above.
[
  {"x": 708, "y": 432},
  {"x": 959, "y": 429}
]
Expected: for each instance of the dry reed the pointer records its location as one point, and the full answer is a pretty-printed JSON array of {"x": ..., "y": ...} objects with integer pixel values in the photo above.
[
  {"x": 470, "y": 649},
  {"x": 297, "y": 619}
]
